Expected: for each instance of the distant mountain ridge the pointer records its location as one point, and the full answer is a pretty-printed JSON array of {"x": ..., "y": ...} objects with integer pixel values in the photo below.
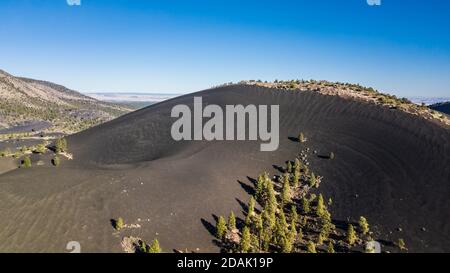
[
  {"x": 443, "y": 107},
  {"x": 24, "y": 99}
]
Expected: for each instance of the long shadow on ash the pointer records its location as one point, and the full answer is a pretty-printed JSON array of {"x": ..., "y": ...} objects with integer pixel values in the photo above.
[
  {"x": 209, "y": 227},
  {"x": 247, "y": 188},
  {"x": 278, "y": 168},
  {"x": 252, "y": 180},
  {"x": 212, "y": 231},
  {"x": 294, "y": 139}
]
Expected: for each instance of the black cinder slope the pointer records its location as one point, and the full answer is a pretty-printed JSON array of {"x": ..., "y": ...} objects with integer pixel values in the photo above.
[{"x": 391, "y": 167}]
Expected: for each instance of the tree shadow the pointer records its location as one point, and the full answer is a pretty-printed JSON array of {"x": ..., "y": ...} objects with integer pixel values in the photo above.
[
  {"x": 243, "y": 205},
  {"x": 209, "y": 227},
  {"x": 252, "y": 180},
  {"x": 248, "y": 189},
  {"x": 278, "y": 168}
]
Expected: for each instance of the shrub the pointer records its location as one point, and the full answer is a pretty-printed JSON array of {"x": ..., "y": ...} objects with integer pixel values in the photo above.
[
  {"x": 61, "y": 145},
  {"x": 40, "y": 148},
  {"x": 118, "y": 223},
  {"x": 26, "y": 162},
  {"x": 301, "y": 138},
  {"x": 351, "y": 235},
  {"x": 154, "y": 247},
  {"x": 401, "y": 244},
  {"x": 363, "y": 225},
  {"x": 56, "y": 161},
  {"x": 311, "y": 247},
  {"x": 330, "y": 248}
]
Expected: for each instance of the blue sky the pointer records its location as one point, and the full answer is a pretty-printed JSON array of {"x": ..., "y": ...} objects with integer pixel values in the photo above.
[{"x": 400, "y": 47}]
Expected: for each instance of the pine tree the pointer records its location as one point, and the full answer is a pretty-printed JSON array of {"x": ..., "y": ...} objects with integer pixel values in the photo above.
[
  {"x": 250, "y": 212},
  {"x": 154, "y": 247},
  {"x": 296, "y": 179},
  {"x": 286, "y": 194},
  {"x": 265, "y": 240},
  {"x": 351, "y": 235},
  {"x": 294, "y": 214},
  {"x": 293, "y": 231},
  {"x": 283, "y": 222},
  {"x": 289, "y": 167},
  {"x": 245, "y": 240},
  {"x": 271, "y": 197},
  {"x": 259, "y": 190},
  {"x": 363, "y": 225},
  {"x": 330, "y": 248},
  {"x": 312, "y": 180},
  {"x": 286, "y": 245},
  {"x": 297, "y": 165},
  {"x": 320, "y": 206},
  {"x": 305, "y": 205},
  {"x": 311, "y": 247},
  {"x": 232, "y": 222},
  {"x": 268, "y": 219},
  {"x": 221, "y": 228}
]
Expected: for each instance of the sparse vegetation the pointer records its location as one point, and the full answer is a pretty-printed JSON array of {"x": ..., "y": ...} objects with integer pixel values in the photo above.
[
  {"x": 26, "y": 162},
  {"x": 56, "y": 161},
  {"x": 118, "y": 223},
  {"x": 154, "y": 247}
]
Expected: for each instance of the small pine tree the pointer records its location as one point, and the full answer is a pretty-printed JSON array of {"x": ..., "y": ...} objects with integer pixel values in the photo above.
[
  {"x": 293, "y": 231},
  {"x": 294, "y": 214},
  {"x": 26, "y": 162},
  {"x": 268, "y": 219},
  {"x": 297, "y": 165},
  {"x": 232, "y": 222},
  {"x": 330, "y": 248},
  {"x": 286, "y": 245},
  {"x": 296, "y": 179},
  {"x": 286, "y": 194},
  {"x": 245, "y": 240},
  {"x": 119, "y": 223},
  {"x": 311, "y": 247},
  {"x": 312, "y": 180},
  {"x": 363, "y": 225},
  {"x": 305, "y": 205},
  {"x": 301, "y": 138},
  {"x": 401, "y": 244},
  {"x": 259, "y": 189},
  {"x": 320, "y": 206},
  {"x": 289, "y": 167},
  {"x": 154, "y": 247},
  {"x": 221, "y": 228},
  {"x": 351, "y": 235}
]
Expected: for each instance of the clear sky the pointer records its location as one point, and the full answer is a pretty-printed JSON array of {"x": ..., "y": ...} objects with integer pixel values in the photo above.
[{"x": 401, "y": 47}]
